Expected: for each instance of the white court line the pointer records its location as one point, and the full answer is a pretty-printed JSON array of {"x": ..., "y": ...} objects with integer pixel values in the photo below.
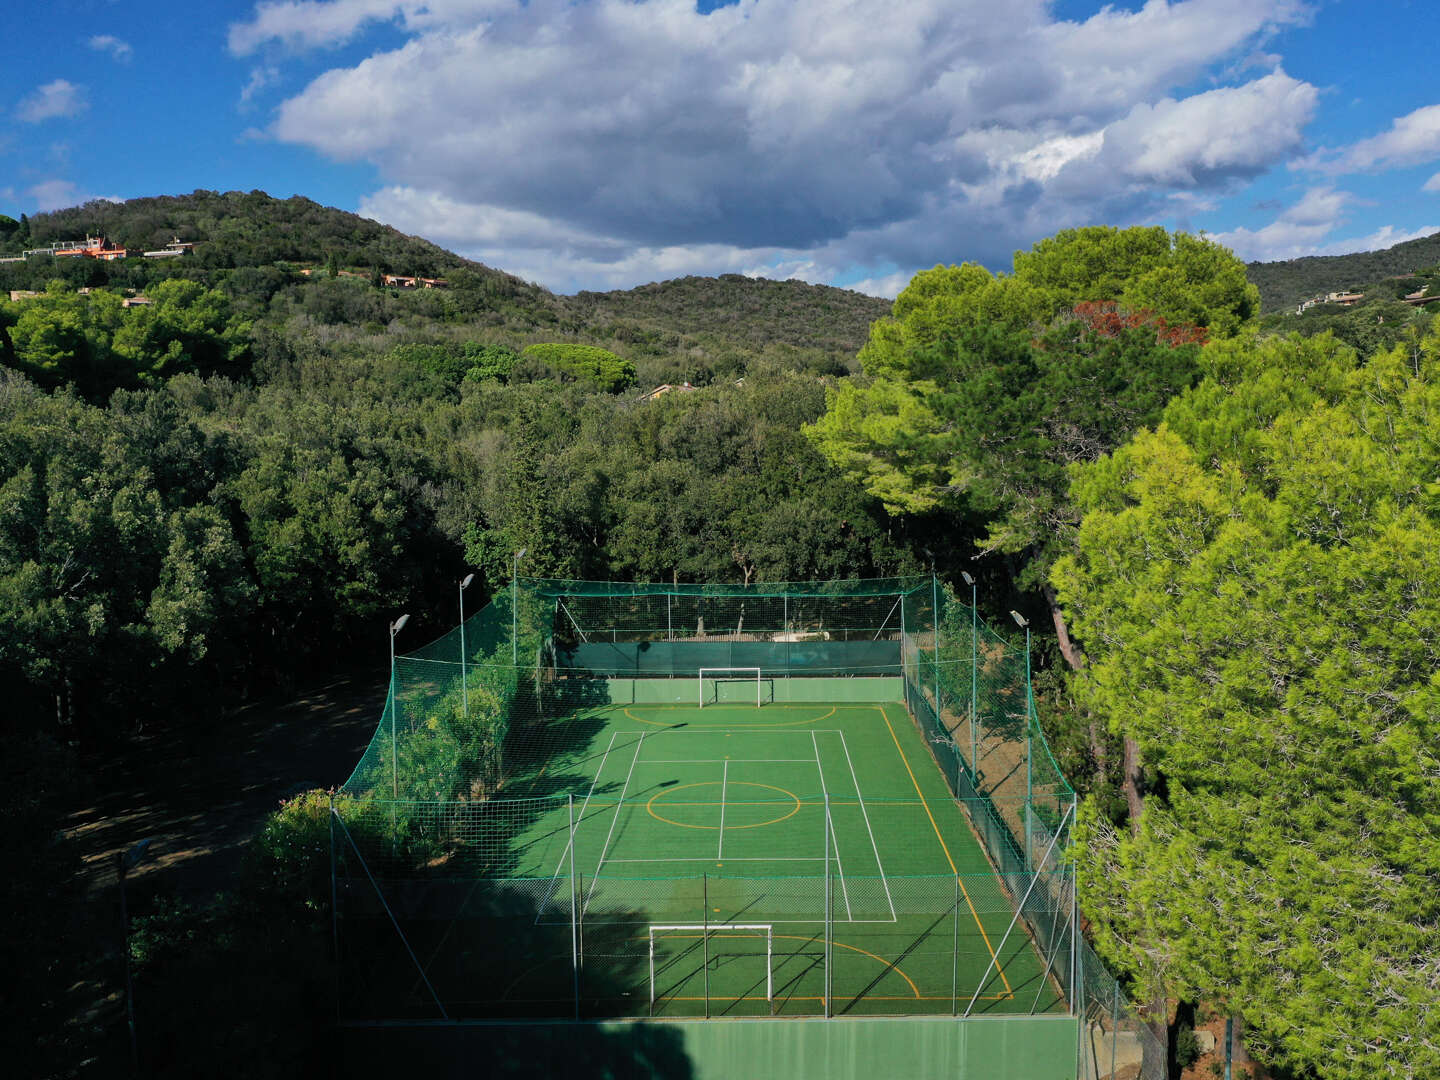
[
  {"x": 724, "y": 785},
  {"x": 830, "y": 830},
  {"x": 733, "y": 859},
  {"x": 873, "y": 846},
  {"x": 619, "y": 809},
  {"x": 555, "y": 877},
  {"x": 717, "y": 761}
]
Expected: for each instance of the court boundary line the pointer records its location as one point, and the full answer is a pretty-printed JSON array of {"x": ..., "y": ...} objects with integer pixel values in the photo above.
[
  {"x": 717, "y": 761},
  {"x": 946, "y": 848},
  {"x": 834, "y": 841},
  {"x": 619, "y": 807},
  {"x": 879, "y": 863},
  {"x": 569, "y": 840},
  {"x": 761, "y": 725},
  {"x": 724, "y": 785}
]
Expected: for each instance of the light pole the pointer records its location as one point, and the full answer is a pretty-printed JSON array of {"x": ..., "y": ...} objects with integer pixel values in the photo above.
[
  {"x": 395, "y": 628},
  {"x": 515, "y": 613},
  {"x": 974, "y": 681},
  {"x": 1020, "y": 620},
  {"x": 124, "y": 863},
  {"x": 464, "y": 686}
]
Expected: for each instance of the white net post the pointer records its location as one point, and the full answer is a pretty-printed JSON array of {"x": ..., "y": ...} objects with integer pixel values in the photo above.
[{"x": 722, "y": 673}]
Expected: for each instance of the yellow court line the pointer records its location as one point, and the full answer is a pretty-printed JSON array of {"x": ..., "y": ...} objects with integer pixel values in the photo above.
[
  {"x": 650, "y": 805},
  {"x": 945, "y": 847},
  {"x": 744, "y": 725}
]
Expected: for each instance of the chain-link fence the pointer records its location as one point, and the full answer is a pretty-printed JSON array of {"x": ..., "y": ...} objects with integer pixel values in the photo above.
[{"x": 467, "y": 882}]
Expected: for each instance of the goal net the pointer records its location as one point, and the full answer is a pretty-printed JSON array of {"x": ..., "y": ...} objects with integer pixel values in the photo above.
[
  {"x": 720, "y": 675},
  {"x": 706, "y": 937}
]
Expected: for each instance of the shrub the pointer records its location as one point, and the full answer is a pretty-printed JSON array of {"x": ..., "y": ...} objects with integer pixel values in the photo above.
[
  {"x": 1187, "y": 1046},
  {"x": 589, "y": 362}
]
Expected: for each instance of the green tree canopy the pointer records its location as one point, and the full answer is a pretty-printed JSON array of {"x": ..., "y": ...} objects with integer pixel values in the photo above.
[
  {"x": 981, "y": 389},
  {"x": 1258, "y": 593},
  {"x": 589, "y": 362}
]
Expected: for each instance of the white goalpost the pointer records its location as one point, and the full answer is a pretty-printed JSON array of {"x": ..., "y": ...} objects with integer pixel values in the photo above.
[
  {"x": 733, "y": 674},
  {"x": 712, "y": 930}
]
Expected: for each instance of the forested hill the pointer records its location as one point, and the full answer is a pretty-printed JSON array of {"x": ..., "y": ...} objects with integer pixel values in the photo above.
[
  {"x": 293, "y": 263},
  {"x": 735, "y": 306},
  {"x": 1285, "y": 284}
]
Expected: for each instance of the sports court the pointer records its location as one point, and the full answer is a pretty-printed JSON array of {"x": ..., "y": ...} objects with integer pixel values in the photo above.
[
  {"x": 722, "y": 837},
  {"x": 598, "y": 800}
]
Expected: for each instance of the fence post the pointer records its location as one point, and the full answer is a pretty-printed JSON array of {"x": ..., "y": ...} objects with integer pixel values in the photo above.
[
  {"x": 955, "y": 952},
  {"x": 974, "y": 687},
  {"x": 1077, "y": 1004},
  {"x": 1115, "y": 1029},
  {"x": 334, "y": 907},
  {"x": 935, "y": 617},
  {"x": 705, "y": 937},
  {"x": 829, "y": 982},
  {"x": 574, "y": 937}
]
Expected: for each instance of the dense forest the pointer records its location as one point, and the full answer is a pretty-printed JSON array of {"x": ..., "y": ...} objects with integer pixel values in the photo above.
[{"x": 237, "y": 482}]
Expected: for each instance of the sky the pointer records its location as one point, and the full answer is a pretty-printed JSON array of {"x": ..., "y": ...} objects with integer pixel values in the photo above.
[{"x": 598, "y": 144}]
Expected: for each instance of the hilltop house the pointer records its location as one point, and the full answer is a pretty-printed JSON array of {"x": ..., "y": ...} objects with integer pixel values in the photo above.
[
  {"x": 92, "y": 247},
  {"x": 172, "y": 250}
]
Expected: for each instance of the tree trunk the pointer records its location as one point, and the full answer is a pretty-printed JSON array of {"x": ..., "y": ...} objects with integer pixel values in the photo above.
[
  {"x": 1134, "y": 798},
  {"x": 1238, "y": 1055},
  {"x": 1073, "y": 654},
  {"x": 1156, "y": 1054}
]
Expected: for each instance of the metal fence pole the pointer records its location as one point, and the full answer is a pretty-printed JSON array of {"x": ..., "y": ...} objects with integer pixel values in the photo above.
[
  {"x": 574, "y": 936},
  {"x": 1075, "y": 980},
  {"x": 974, "y": 688},
  {"x": 334, "y": 907},
  {"x": 935, "y": 616},
  {"x": 955, "y": 952},
  {"x": 1115, "y": 1029},
  {"x": 705, "y": 936},
  {"x": 829, "y": 981}
]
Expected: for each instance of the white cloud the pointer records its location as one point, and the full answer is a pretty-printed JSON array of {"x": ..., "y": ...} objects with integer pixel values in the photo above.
[
  {"x": 537, "y": 248},
  {"x": 829, "y": 135},
  {"x": 299, "y": 25},
  {"x": 1433, "y": 184},
  {"x": 1305, "y": 229},
  {"x": 58, "y": 194},
  {"x": 260, "y": 79},
  {"x": 1413, "y": 139},
  {"x": 1298, "y": 231},
  {"x": 54, "y": 99},
  {"x": 1235, "y": 131},
  {"x": 118, "y": 49}
]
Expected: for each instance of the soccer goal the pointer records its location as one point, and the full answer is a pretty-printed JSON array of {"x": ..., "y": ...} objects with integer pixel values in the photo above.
[
  {"x": 728, "y": 674},
  {"x": 707, "y": 933}
]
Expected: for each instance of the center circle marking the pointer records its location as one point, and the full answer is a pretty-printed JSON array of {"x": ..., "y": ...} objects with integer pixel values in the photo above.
[{"x": 650, "y": 805}]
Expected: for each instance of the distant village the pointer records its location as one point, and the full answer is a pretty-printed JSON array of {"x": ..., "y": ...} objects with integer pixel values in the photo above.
[
  {"x": 100, "y": 247},
  {"x": 1419, "y": 298}
]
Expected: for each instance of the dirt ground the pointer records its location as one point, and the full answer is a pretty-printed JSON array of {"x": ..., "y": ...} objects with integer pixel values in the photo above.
[{"x": 199, "y": 796}]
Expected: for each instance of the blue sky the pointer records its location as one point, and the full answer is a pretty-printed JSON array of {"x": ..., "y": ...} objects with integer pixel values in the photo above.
[{"x": 607, "y": 143}]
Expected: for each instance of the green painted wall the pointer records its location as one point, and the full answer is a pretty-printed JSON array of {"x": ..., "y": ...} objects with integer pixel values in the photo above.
[
  {"x": 918, "y": 1048},
  {"x": 879, "y": 1048},
  {"x": 684, "y": 691}
]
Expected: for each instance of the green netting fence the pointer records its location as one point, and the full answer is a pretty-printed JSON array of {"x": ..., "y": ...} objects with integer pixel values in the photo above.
[{"x": 457, "y": 888}]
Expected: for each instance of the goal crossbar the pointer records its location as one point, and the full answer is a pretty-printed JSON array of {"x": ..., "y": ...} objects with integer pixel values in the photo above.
[
  {"x": 710, "y": 930},
  {"x": 718, "y": 673}
]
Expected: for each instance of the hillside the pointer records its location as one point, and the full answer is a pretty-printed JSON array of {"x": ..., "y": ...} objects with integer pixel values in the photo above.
[
  {"x": 1284, "y": 284},
  {"x": 256, "y": 248},
  {"x": 732, "y": 305}
]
